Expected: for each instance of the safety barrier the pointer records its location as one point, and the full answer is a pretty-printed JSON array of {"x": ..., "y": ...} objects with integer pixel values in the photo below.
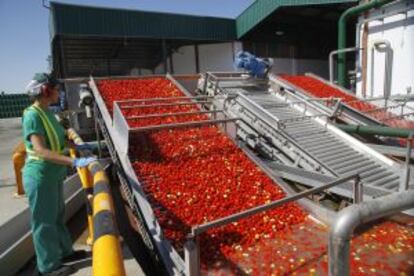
[{"x": 107, "y": 256}]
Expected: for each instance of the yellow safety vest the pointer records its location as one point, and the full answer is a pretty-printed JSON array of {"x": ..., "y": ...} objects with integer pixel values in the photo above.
[{"x": 50, "y": 132}]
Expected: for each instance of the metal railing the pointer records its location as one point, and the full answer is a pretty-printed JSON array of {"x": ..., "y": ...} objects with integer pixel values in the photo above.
[
  {"x": 191, "y": 246},
  {"x": 182, "y": 125},
  {"x": 162, "y": 115},
  {"x": 351, "y": 217},
  {"x": 322, "y": 108},
  {"x": 404, "y": 184},
  {"x": 164, "y": 99},
  {"x": 193, "y": 100},
  {"x": 331, "y": 60}
]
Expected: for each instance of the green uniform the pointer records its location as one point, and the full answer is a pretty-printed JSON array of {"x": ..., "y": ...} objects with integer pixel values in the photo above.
[{"x": 43, "y": 184}]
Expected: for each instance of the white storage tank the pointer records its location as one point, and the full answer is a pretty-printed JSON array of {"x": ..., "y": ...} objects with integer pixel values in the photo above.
[{"x": 389, "y": 45}]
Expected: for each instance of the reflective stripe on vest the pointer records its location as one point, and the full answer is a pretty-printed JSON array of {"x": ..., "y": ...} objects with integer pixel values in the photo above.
[{"x": 50, "y": 132}]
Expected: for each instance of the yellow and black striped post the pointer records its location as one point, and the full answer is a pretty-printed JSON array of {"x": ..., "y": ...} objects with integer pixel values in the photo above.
[
  {"x": 87, "y": 184},
  {"x": 107, "y": 256}
]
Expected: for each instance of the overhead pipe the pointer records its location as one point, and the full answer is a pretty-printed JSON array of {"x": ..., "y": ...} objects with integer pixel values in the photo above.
[
  {"x": 354, "y": 11},
  {"x": 376, "y": 130},
  {"x": 351, "y": 217}
]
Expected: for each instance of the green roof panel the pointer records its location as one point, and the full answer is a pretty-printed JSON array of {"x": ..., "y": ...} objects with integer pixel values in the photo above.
[
  {"x": 260, "y": 9},
  {"x": 91, "y": 21}
]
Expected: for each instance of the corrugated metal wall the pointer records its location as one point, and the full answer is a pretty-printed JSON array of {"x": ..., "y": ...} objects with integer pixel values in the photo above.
[
  {"x": 90, "y": 21},
  {"x": 261, "y": 9}
]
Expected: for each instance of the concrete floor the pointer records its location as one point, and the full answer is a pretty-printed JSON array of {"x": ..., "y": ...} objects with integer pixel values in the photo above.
[
  {"x": 10, "y": 135},
  {"x": 85, "y": 267}
]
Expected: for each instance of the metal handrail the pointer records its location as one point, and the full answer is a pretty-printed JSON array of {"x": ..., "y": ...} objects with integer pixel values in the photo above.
[
  {"x": 165, "y": 99},
  {"x": 397, "y": 116},
  {"x": 164, "y": 104},
  {"x": 191, "y": 247},
  {"x": 294, "y": 119},
  {"x": 331, "y": 61},
  {"x": 182, "y": 125},
  {"x": 351, "y": 217},
  {"x": 384, "y": 108},
  {"x": 199, "y": 229},
  {"x": 161, "y": 115},
  {"x": 308, "y": 100}
]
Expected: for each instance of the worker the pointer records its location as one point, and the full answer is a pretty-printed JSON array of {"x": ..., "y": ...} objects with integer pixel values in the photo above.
[{"x": 43, "y": 175}]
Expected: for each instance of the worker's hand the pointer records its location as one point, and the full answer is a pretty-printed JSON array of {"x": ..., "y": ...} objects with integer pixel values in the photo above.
[
  {"x": 84, "y": 146},
  {"x": 83, "y": 162}
]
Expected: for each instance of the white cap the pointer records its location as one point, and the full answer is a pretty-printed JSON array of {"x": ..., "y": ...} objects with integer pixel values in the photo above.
[{"x": 34, "y": 88}]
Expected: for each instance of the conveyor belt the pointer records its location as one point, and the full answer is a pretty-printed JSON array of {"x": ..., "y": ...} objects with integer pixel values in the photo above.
[
  {"x": 331, "y": 150},
  {"x": 336, "y": 151},
  {"x": 376, "y": 110}
]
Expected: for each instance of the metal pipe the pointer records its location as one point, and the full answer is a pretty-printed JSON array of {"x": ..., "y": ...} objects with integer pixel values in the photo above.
[
  {"x": 161, "y": 115},
  {"x": 182, "y": 125},
  {"x": 384, "y": 108},
  {"x": 199, "y": 229},
  {"x": 162, "y": 105},
  {"x": 353, "y": 11},
  {"x": 164, "y": 99},
  {"x": 397, "y": 116},
  {"x": 294, "y": 119},
  {"x": 387, "y": 72},
  {"x": 358, "y": 193},
  {"x": 192, "y": 256},
  {"x": 405, "y": 183},
  {"x": 331, "y": 60},
  {"x": 349, "y": 218},
  {"x": 98, "y": 136},
  {"x": 376, "y": 130}
]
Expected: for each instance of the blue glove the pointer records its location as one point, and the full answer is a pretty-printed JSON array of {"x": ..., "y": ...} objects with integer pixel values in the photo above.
[
  {"x": 83, "y": 162},
  {"x": 84, "y": 146}
]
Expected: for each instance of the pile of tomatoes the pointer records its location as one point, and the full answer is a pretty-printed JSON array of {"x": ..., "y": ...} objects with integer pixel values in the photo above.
[
  {"x": 322, "y": 90},
  {"x": 195, "y": 175}
]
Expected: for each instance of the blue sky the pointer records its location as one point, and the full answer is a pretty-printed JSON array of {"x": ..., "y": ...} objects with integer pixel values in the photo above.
[{"x": 24, "y": 44}]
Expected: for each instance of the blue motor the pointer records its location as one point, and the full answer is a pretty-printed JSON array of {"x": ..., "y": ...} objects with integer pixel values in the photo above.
[{"x": 256, "y": 67}]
